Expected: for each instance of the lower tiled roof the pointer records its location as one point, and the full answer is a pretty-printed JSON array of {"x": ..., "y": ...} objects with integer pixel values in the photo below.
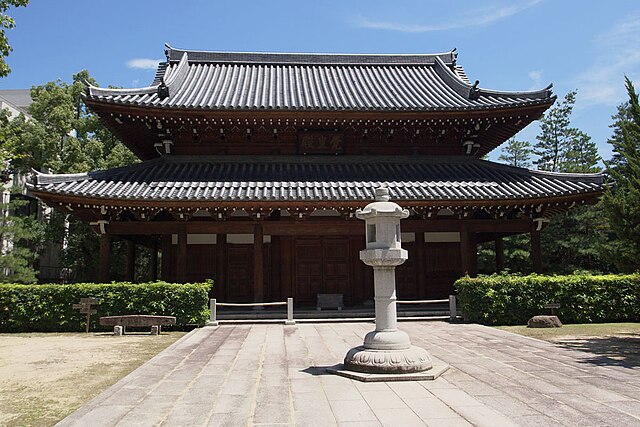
[{"x": 316, "y": 178}]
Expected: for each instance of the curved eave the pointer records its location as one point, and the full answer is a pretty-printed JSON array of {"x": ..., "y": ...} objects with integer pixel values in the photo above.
[
  {"x": 96, "y": 202},
  {"x": 472, "y": 109}
]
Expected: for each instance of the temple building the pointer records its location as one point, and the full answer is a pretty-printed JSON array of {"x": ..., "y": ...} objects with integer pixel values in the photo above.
[{"x": 253, "y": 165}]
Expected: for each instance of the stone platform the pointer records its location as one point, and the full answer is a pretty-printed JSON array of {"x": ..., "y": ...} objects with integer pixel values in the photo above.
[{"x": 245, "y": 375}]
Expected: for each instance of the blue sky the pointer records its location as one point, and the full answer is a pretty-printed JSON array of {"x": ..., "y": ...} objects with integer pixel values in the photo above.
[{"x": 507, "y": 45}]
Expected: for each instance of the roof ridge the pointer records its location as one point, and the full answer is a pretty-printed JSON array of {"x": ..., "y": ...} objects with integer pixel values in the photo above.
[{"x": 175, "y": 54}]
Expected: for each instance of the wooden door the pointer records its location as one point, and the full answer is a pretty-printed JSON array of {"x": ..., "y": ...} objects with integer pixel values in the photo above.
[
  {"x": 239, "y": 278},
  {"x": 335, "y": 254},
  {"x": 308, "y": 270},
  {"x": 442, "y": 268},
  {"x": 321, "y": 266}
]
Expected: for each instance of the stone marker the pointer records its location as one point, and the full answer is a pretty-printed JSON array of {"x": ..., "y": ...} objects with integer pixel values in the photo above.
[
  {"x": 117, "y": 330},
  {"x": 386, "y": 350},
  {"x": 544, "y": 322},
  {"x": 155, "y": 330}
]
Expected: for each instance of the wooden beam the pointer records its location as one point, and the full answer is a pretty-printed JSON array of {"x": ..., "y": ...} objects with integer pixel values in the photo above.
[
  {"x": 499, "y": 244},
  {"x": 131, "y": 261},
  {"x": 311, "y": 226},
  {"x": 258, "y": 263},
  {"x": 181, "y": 259},
  {"x": 105, "y": 253}
]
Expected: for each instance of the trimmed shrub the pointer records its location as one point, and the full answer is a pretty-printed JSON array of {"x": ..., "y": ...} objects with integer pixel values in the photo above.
[
  {"x": 44, "y": 308},
  {"x": 513, "y": 299}
]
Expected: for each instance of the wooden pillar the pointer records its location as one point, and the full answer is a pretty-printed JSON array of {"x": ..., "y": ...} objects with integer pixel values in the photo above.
[
  {"x": 536, "y": 251},
  {"x": 131, "y": 261},
  {"x": 499, "y": 243},
  {"x": 181, "y": 259},
  {"x": 154, "y": 259},
  {"x": 286, "y": 267},
  {"x": 105, "y": 253},
  {"x": 421, "y": 280},
  {"x": 258, "y": 267},
  {"x": 165, "y": 274},
  {"x": 220, "y": 284},
  {"x": 468, "y": 252}
]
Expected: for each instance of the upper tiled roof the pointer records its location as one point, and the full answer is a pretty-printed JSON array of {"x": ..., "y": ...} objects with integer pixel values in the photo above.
[
  {"x": 312, "y": 82},
  {"x": 316, "y": 178}
]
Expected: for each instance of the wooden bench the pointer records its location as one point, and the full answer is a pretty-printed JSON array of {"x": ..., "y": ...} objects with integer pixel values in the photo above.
[
  {"x": 120, "y": 323},
  {"x": 326, "y": 301}
]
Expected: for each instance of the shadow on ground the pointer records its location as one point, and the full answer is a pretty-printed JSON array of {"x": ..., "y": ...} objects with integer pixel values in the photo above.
[{"x": 622, "y": 350}]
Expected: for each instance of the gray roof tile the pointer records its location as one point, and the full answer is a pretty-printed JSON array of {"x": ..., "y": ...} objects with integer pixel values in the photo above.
[
  {"x": 316, "y": 82},
  {"x": 310, "y": 178}
]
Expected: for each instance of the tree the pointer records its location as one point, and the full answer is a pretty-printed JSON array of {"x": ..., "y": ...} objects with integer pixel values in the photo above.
[
  {"x": 7, "y": 23},
  {"x": 63, "y": 136},
  {"x": 622, "y": 199},
  {"x": 555, "y": 135},
  {"x": 516, "y": 153},
  {"x": 582, "y": 155}
]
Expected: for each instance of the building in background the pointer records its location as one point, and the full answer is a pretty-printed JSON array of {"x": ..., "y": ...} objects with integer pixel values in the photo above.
[{"x": 255, "y": 163}]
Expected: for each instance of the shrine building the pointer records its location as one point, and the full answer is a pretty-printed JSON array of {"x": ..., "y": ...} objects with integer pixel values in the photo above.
[{"x": 253, "y": 165}]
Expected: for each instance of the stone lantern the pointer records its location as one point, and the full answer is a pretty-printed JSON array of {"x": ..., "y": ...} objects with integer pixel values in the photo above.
[{"x": 386, "y": 349}]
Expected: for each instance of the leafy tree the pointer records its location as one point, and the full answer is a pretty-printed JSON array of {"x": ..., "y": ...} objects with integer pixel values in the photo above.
[
  {"x": 622, "y": 200},
  {"x": 516, "y": 153},
  {"x": 63, "y": 136},
  {"x": 7, "y": 23}
]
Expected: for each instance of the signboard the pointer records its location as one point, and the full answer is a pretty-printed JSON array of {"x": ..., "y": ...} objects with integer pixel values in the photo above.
[{"x": 320, "y": 142}]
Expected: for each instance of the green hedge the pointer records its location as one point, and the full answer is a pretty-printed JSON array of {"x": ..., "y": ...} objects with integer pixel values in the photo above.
[
  {"x": 43, "y": 308},
  {"x": 513, "y": 299}
]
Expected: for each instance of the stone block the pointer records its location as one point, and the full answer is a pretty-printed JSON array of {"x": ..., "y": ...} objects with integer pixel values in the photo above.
[
  {"x": 118, "y": 330},
  {"x": 544, "y": 322}
]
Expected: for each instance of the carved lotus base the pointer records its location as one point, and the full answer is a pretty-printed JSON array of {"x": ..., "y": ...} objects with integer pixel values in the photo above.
[{"x": 410, "y": 360}]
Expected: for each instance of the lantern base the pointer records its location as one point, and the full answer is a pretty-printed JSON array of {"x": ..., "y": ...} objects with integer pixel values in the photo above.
[{"x": 409, "y": 360}]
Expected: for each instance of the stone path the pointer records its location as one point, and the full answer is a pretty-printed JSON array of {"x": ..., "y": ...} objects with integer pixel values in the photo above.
[{"x": 246, "y": 375}]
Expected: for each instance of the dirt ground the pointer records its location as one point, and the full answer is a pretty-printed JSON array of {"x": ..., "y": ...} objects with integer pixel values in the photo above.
[
  {"x": 45, "y": 377},
  {"x": 611, "y": 343}
]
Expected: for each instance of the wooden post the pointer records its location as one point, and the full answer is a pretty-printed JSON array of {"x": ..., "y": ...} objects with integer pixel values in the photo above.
[
  {"x": 105, "y": 252},
  {"x": 258, "y": 267},
  {"x": 499, "y": 243},
  {"x": 420, "y": 261},
  {"x": 220, "y": 284},
  {"x": 165, "y": 273},
  {"x": 131, "y": 261},
  {"x": 154, "y": 259},
  {"x": 468, "y": 252},
  {"x": 536, "y": 251},
  {"x": 181, "y": 267}
]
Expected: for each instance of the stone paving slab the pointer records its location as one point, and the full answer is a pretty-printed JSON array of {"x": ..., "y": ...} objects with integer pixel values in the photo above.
[{"x": 266, "y": 374}]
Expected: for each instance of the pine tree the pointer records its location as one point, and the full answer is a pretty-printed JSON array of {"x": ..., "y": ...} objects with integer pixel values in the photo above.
[
  {"x": 556, "y": 135},
  {"x": 622, "y": 200},
  {"x": 581, "y": 156},
  {"x": 516, "y": 153}
]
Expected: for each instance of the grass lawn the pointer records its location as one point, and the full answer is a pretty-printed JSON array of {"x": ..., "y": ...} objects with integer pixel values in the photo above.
[
  {"x": 46, "y": 376},
  {"x": 615, "y": 342}
]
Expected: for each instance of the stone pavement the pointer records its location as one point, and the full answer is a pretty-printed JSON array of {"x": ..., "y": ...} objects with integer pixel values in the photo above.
[{"x": 244, "y": 375}]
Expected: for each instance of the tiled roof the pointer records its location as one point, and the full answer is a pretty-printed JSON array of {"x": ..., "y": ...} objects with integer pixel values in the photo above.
[
  {"x": 316, "y": 178},
  {"x": 314, "y": 82}
]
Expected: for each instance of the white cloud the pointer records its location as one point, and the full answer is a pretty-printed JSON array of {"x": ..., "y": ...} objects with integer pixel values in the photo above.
[
  {"x": 476, "y": 18},
  {"x": 536, "y": 79},
  {"x": 144, "y": 63},
  {"x": 616, "y": 53}
]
